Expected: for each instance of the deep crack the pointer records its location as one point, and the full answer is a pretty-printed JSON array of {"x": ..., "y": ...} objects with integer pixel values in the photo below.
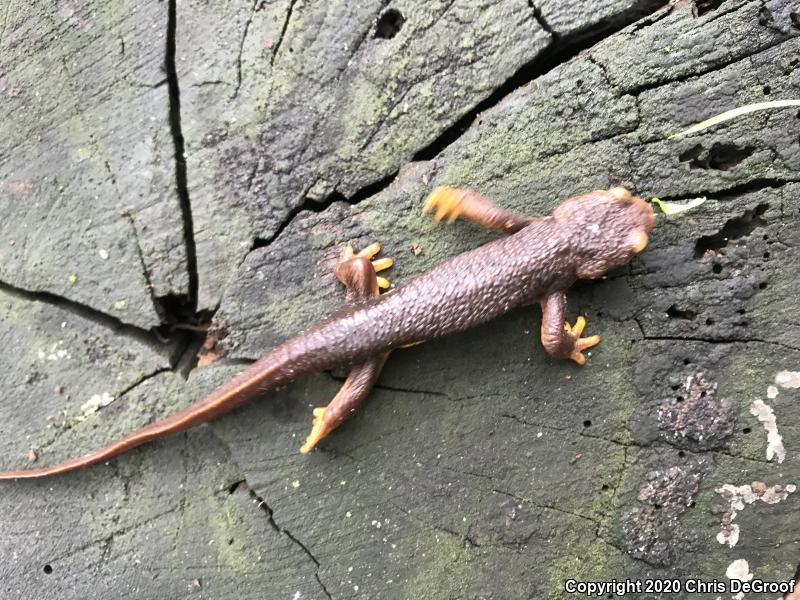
[
  {"x": 560, "y": 50},
  {"x": 179, "y": 311},
  {"x": 181, "y": 186},
  {"x": 702, "y": 71},
  {"x": 262, "y": 504},
  {"x": 748, "y": 187},
  {"x": 105, "y": 320}
]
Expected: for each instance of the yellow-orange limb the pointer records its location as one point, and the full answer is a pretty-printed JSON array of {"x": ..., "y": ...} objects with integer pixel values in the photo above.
[
  {"x": 453, "y": 203},
  {"x": 559, "y": 338},
  {"x": 358, "y": 272}
]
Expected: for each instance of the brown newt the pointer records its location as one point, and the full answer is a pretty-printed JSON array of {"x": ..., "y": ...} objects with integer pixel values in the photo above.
[{"x": 537, "y": 262}]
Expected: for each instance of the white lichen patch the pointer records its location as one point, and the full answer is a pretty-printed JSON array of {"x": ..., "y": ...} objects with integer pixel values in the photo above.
[
  {"x": 764, "y": 413},
  {"x": 95, "y": 403},
  {"x": 56, "y": 352},
  {"x": 738, "y": 497},
  {"x": 788, "y": 379},
  {"x": 729, "y": 535},
  {"x": 772, "y": 392},
  {"x": 739, "y": 569}
]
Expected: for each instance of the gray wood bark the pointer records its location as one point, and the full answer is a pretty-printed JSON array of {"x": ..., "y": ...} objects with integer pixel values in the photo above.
[{"x": 164, "y": 160}]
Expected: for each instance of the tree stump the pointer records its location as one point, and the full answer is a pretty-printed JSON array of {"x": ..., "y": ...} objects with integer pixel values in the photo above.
[{"x": 165, "y": 165}]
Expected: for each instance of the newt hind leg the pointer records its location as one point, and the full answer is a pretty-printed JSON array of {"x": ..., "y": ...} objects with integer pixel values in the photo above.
[{"x": 358, "y": 272}]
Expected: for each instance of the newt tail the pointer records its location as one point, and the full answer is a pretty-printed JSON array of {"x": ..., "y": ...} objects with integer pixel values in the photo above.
[
  {"x": 585, "y": 237},
  {"x": 268, "y": 373}
]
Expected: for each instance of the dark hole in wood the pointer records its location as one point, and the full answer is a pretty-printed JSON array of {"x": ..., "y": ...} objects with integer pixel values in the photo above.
[
  {"x": 720, "y": 157},
  {"x": 735, "y": 228},
  {"x": 389, "y": 24},
  {"x": 692, "y": 153},
  {"x": 704, "y": 6},
  {"x": 673, "y": 312}
]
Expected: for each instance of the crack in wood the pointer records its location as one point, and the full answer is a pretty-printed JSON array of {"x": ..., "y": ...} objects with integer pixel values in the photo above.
[
  {"x": 262, "y": 505},
  {"x": 181, "y": 182}
]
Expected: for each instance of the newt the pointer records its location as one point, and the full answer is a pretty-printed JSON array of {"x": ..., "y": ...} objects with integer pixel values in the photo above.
[{"x": 539, "y": 259}]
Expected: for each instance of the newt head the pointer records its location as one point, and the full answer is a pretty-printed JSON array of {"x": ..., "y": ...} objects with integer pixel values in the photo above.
[{"x": 605, "y": 228}]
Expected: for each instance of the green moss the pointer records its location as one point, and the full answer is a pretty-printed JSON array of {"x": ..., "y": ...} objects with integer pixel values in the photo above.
[
  {"x": 618, "y": 383},
  {"x": 592, "y": 560},
  {"x": 235, "y": 556},
  {"x": 449, "y": 568},
  {"x": 603, "y": 505},
  {"x": 295, "y": 312},
  {"x": 746, "y": 379}
]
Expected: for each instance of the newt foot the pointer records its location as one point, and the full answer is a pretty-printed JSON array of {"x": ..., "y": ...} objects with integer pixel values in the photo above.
[
  {"x": 447, "y": 201},
  {"x": 318, "y": 430},
  {"x": 580, "y": 344},
  {"x": 379, "y": 264}
]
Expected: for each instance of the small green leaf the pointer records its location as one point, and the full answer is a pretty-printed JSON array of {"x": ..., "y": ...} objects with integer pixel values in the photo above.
[{"x": 673, "y": 208}]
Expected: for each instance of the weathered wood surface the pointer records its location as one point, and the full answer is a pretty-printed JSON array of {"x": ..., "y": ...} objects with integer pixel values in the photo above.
[{"x": 479, "y": 468}]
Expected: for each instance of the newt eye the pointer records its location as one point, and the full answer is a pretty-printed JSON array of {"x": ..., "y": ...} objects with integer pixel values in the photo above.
[
  {"x": 620, "y": 193},
  {"x": 639, "y": 241}
]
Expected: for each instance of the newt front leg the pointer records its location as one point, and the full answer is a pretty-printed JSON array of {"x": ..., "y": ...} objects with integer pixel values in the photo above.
[
  {"x": 559, "y": 339},
  {"x": 468, "y": 204}
]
